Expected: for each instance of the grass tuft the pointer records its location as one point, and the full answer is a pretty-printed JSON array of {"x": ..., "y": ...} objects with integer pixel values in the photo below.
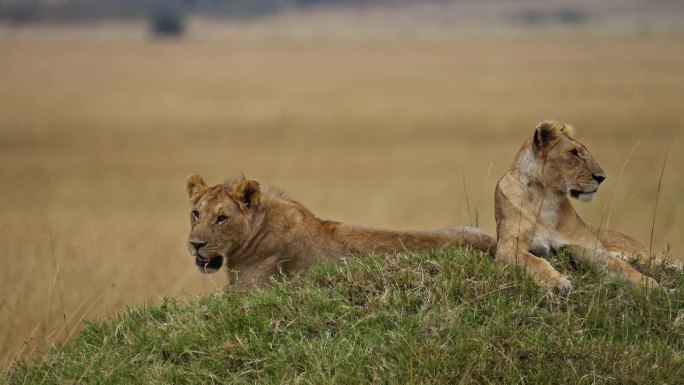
[{"x": 439, "y": 317}]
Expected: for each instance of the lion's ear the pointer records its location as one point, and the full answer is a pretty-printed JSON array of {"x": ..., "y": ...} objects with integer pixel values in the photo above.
[
  {"x": 546, "y": 134},
  {"x": 195, "y": 185},
  {"x": 247, "y": 193},
  {"x": 568, "y": 131}
]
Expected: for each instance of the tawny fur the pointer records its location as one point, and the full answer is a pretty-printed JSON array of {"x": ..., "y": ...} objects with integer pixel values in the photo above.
[
  {"x": 534, "y": 216},
  {"x": 265, "y": 234}
]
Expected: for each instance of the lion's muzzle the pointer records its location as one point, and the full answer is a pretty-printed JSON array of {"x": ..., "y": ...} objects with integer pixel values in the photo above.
[{"x": 209, "y": 266}]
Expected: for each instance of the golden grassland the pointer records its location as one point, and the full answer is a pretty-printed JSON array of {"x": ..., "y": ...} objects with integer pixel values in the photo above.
[{"x": 99, "y": 132}]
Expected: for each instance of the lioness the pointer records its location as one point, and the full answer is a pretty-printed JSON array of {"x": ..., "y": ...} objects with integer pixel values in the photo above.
[
  {"x": 535, "y": 217},
  {"x": 260, "y": 233}
]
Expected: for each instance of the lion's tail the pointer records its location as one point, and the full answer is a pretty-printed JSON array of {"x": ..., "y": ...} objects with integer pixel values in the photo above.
[{"x": 472, "y": 237}]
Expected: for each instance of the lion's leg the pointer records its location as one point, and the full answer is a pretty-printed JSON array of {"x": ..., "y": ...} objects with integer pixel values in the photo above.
[
  {"x": 257, "y": 275},
  {"x": 514, "y": 252},
  {"x": 610, "y": 262},
  {"x": 627, "y": 247}
]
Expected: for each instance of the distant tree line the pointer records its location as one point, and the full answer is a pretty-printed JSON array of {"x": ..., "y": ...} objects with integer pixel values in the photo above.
[
  {"x": 23, "y": 11},
  {"x": 167, "y": 17}
]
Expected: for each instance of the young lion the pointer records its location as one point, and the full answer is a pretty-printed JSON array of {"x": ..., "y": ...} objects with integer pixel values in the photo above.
[
  {"x": 535, "y": 217},
  {"x": 260, "y": 233}
]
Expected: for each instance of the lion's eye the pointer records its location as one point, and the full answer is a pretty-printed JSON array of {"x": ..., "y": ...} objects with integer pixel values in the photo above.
[
  {"x": 574, "y": 152},
  {"x": 195, "y": 214},
  {"x": 221, "y": 218}
]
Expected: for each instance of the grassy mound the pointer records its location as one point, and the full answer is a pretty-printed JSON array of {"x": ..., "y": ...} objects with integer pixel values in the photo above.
[{"x": 441, "y": 317}]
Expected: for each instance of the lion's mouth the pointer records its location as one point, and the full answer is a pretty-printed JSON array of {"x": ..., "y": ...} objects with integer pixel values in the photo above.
[
  {"x": 585, "y": 196},
  {"x": 576, "y": 193},
  {"x": 209, "y": 266}
]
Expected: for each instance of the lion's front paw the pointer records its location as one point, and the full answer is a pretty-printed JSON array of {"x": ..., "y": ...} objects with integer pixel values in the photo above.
[
  {"x": 648, "y": 283},
  {"x": 561, "y": 286}
]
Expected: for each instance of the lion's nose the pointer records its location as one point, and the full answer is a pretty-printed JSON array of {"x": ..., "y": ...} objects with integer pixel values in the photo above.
[
  {"x": 198, "y": 244},
  {"x": 598, "y": 177}
]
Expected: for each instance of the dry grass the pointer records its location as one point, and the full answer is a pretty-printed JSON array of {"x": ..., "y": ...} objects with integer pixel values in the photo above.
[{"x": 98, "y": 133}]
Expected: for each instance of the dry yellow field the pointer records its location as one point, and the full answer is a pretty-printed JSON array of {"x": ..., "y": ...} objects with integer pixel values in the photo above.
[{"x": 98, "y": 133}]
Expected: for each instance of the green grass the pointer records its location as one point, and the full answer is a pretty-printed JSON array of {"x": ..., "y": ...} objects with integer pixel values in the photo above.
[{"x": 440, "y": 317}]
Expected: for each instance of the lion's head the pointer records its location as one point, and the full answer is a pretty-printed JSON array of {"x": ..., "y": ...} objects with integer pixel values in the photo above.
[
  {"x": 566, "y": 164},
  {"x": 219, "y": 218}
]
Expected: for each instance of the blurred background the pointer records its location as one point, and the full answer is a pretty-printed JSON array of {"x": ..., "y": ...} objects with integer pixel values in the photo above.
[{"x": 400, "y": 114}]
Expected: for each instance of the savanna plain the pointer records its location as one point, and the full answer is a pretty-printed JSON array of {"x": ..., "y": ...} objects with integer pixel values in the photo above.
[{"x": 98, "y": 132}]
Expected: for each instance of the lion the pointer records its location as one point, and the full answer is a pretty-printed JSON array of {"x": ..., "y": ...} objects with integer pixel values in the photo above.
[
  {"x": 534, "y": 216},
  {"x": 259, "y": 233}
]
